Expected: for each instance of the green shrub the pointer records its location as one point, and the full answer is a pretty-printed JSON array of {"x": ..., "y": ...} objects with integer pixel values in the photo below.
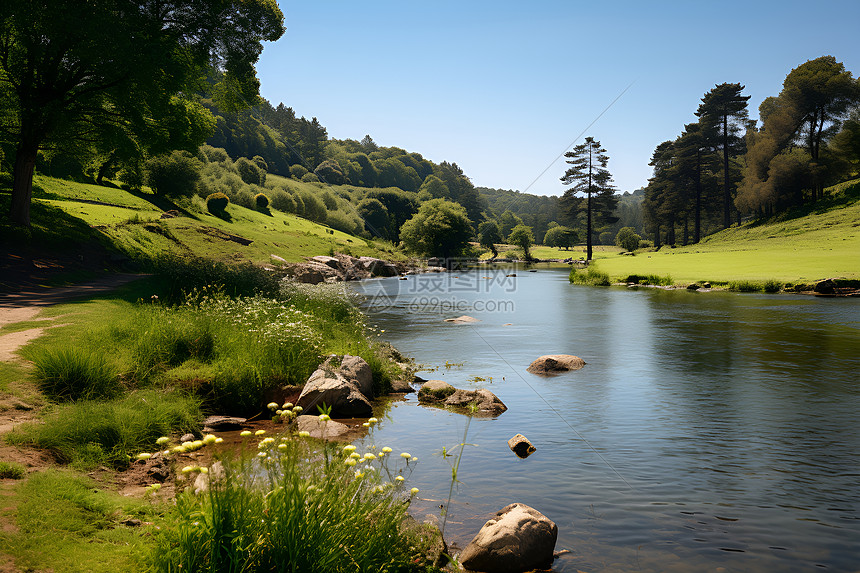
[
  {"x": 261, "y": 163},
  {"x": 330, "y": 172},
  {"x": 627, "y": 239},
  {"x": 75, "y": 374},
  {"x": 298, "y": 171},
  {"x": 217, "y": 203},
  {"x": 771, "y": 286},
  {"x": 302, "y": 511},
  {"x": 213, "y": 154},
  {"x": 250, "y": 172},
  {"x": 12, "y": 470},
  {"x": 310, "y": 178},
  {"x": 261, "y": 200},
  {"x": 90, "y": 433},
  {"x": 745, "y": 286},
  {"x": 175, "y": 174},
  {"x": 283, "y": 201}
]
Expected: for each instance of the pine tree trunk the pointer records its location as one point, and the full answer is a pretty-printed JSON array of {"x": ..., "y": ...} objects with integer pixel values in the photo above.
[{"x": 727, "y": 195}]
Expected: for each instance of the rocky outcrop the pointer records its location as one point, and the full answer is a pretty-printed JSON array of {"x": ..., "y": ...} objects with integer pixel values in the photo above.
[
  {"x": 344, "y": 383},
  {"x": 519, "y": 538},
  {"x": 555, "y": 363},
  {"x": 479, "y": 402}
]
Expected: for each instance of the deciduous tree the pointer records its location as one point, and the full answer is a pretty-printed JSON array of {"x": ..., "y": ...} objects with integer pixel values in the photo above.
[
  {"x": 68, "y": 68},
  {"x": 440, "y": 228}
]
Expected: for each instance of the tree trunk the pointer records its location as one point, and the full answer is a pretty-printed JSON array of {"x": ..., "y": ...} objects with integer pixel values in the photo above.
[
  {"x": 588, "y": 229},
  {"x": 657, "y": 236},
  {"x": 697, "y": 224},
  {"x": 727, "y": 194},
  {"x": 22, "y": 185},
  {"x": 686, "y": 231}
]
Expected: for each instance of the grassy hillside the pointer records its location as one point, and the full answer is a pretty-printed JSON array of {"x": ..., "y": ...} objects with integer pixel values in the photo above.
[
  {"x": 803, "y": 245},
  {"x": 71, "y": 216}
]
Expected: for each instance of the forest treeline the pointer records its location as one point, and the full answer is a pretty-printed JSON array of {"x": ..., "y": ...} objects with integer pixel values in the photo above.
[{"x": 724, "y": 167}]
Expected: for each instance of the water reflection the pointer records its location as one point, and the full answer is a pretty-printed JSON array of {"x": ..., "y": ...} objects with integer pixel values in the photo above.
[{"x": 707, "y": 429}]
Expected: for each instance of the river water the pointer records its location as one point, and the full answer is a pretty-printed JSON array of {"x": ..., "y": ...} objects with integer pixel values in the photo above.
[{"x": 707, "y": 432}]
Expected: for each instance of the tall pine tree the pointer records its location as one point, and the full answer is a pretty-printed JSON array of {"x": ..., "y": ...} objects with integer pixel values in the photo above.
[
  {"x": 722, "y": 113},
  {"x": 588, "y": 175}
]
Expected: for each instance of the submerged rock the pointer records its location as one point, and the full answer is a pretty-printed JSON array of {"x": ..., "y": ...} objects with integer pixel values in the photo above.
[
  {"x": 462, "y": 319},
  {"x": 519, "y": 538},
  {"x": 521, "y": 446},
  {"x": 479, "y": 402},
  {"x": 554, "y": 363}
]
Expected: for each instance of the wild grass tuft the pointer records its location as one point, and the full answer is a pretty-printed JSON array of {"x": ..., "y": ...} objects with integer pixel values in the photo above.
[
  {"x": 90, "y": 433},
  {"x": 590, "y": 276},
  {"x": 12, "y": 470},
  {"x": 292, "y": 511},
  {"x": 655, "y": 280},
  {"x": 75, "y": 374},
  {"x": 768, "y": 286}
]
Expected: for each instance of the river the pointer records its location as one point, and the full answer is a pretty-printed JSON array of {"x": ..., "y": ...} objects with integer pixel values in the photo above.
[{"x": 707, "y": 432}]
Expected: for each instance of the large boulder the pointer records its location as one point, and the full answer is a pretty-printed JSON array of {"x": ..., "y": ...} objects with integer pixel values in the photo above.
[
  {"x": 519, "y": 538},
  {"x": 482, "y": 401},
  {"x": 435, "y": 391},
  {"x": 354, "y": 369},
  {"x": 554, "y": 363},
  {"x": 344, "y": 383}
]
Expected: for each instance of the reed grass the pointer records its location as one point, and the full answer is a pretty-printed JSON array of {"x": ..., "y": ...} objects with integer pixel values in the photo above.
[{"x": 285, "y": 506}]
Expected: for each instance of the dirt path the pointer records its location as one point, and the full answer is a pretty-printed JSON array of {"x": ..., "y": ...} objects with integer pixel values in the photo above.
[{"x": 16, "y": 407}]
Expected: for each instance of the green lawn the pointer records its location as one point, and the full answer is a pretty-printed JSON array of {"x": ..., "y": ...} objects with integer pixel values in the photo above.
[{"x": 823, "y": 243}]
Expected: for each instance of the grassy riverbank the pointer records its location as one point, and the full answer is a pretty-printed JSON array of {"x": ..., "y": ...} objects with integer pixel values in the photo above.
[
  {"x": 117, "y": 372},
  {"x": 802, "y": 246}
]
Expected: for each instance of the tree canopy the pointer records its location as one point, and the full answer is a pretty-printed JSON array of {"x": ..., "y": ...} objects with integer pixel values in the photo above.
[
  {"x": 440, "y": 228},
  {"x": 72, "y": 71}
]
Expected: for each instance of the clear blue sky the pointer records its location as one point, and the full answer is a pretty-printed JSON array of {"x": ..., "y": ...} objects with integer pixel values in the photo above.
[{"x": 503, "y": 88}]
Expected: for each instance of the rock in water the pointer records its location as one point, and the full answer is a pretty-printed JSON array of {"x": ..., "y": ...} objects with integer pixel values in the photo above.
[
  {"x": 521, "y": 446},
  {"x": 465, "y": 319},
  {"x": 482, "y": 401},
  {"x": 435, "y": 391},
  {"x": 554, "y": 363},
  {"x": 519, "y": 538}
]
